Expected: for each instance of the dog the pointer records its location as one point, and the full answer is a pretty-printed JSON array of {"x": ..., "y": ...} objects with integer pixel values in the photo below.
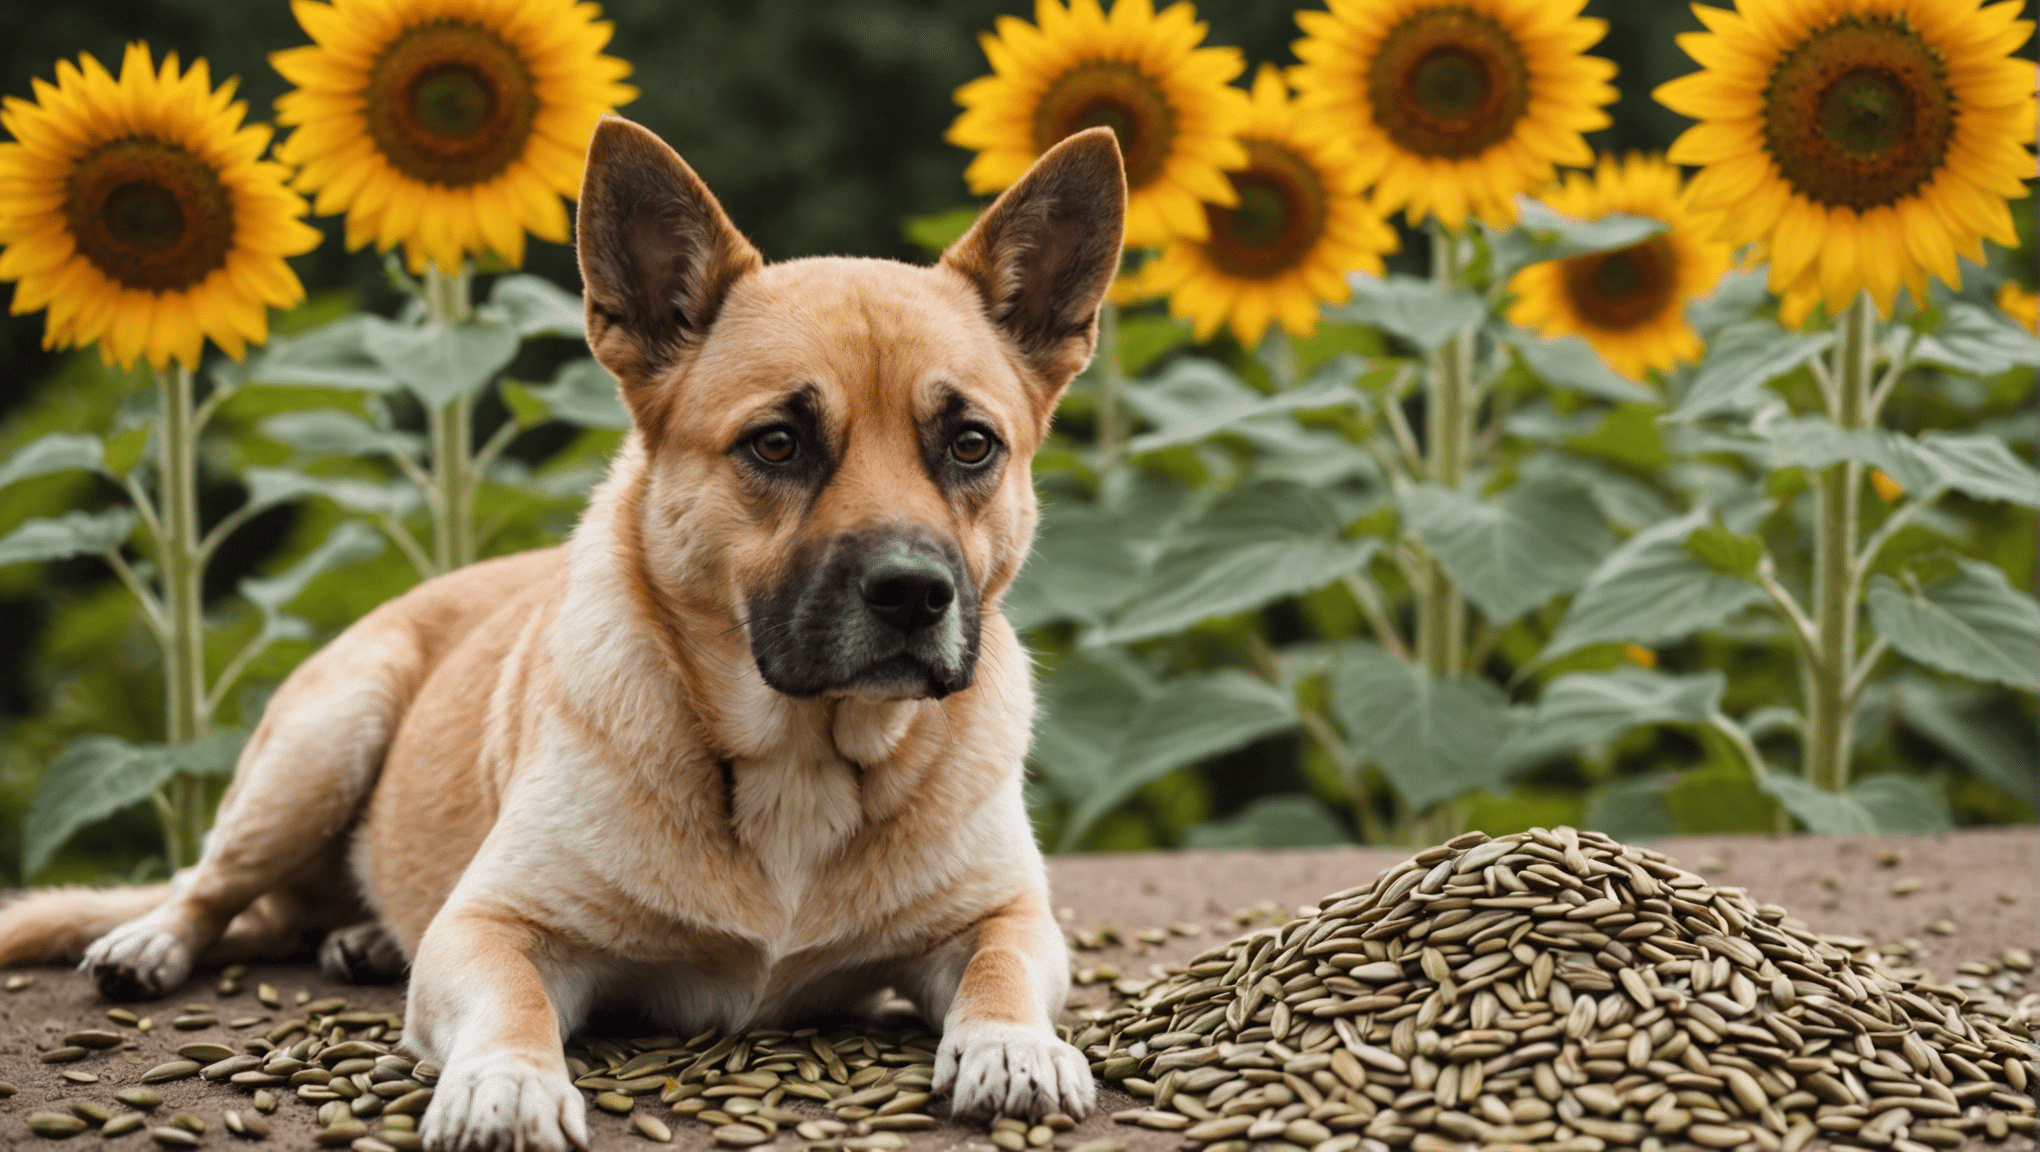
[{"x": 748, "y": 747}]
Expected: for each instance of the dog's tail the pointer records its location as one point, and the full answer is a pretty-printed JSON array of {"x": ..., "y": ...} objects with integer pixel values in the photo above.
[{"x": 55, "y": 925}]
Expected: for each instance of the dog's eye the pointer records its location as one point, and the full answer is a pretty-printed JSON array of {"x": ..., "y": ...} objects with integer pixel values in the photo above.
[
  {"x": 775, "y": 445},
  {"x": 971, "y": 446}
]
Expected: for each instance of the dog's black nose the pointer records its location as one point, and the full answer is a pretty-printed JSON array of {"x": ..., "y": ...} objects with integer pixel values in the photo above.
[{"x": 907, "y": 590}]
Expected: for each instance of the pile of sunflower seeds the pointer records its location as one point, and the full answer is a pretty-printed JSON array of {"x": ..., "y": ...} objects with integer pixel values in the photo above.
[
  {"x": 1558, "y": 991},
  {"x": 343, "y": 1063}
]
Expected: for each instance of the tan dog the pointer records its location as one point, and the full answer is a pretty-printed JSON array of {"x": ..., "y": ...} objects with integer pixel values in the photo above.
[{"x": 750, "y": 745}]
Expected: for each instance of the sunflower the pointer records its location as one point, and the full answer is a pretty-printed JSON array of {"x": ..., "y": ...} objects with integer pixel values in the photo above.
[
  {"x": 2020, "y": 305},
  {"x": 1170, "y": 102},
  {"x": 140, "y": 213},
  {"x": 1299, "y": 223},
  {"x": 1860, "y": 143},
  {"x": 1461, "y": 105},
  {"x": 452, "y": 126},
  {"x": 1629, "y": 303}
]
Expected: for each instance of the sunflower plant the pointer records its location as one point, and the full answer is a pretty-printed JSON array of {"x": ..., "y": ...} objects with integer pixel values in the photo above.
[
  {"x": 1454, "y": 535},
  {"x": 145, "y": 218}
]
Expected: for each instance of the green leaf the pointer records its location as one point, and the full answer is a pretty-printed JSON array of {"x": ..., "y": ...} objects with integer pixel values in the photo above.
[
  {"x": 1105, "y": 732},
  {"x": 57, "y": 452},
  {"x": 330, "y": 432},
  {"x": 1083, "y": 567},
  {"x": 268, "y": 487},
  {"x": 1586, "y": 708},
  {"x": 1724, "y": 551},
  {"x": 1652, "y": 590},
  {"x": 1434, "y": 737},
  {"x": 1417, "y": 310},
  {"x": 931, "y": 234},
  {"x": 1143, "y": 339},
  {"x": 1195, "y": 398},
  {"x": 1570, "y": 362},
  {"x": 1979, "y": 466},
  {"x": 62, "y": 537},
  {"x": 583, "y": 392},
  {"x": 526, "y": 409},
  {"x": 442, "y": 362},
  {"x": 1738, "y": 295},
  {"x": 1975, "y": 625},
  {"x": 1886, "y": 802},
  {"x": 1814, "y": 443},
  {"x": 535, "y": 306},
  {"x": 1631, "y": 808},
  {"x": 1512, "y": 553},
  {"x": 1294, "y": 821},
  {"x": 1543, "y": 233},
  {"x": 1986, "y": 737},
  {"x": 1979, "y": 341},
  {"x": 350, "y": 541},
  {"x": 1741, "y": 360},
  {"x": 1260, "y": 542},
  {"x": 1719, "y": 797},
  {"x": 124, "y": 450},
  {"x": 97, "y": 776},
  {"x": 334, "y": 355}
]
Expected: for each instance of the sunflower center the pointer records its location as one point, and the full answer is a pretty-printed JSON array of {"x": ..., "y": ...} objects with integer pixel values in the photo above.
[
  {"x": 1110, "y": 94},
  {"x": 1625, "y": 288},
  {"x": 1448, "y": 82},
  {"x": 150, "y": 215},
  {"x": 450, "y": 103},
  {"x": 1276, "y": 224},
  {"x": 1860, "y": 113}
]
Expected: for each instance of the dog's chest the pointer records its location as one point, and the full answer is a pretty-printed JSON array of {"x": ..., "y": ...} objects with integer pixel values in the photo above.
[{"x": 793, "y": 815}]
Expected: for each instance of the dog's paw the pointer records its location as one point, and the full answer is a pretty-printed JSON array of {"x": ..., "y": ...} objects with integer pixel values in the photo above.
[
  {"x": 363, "y": 953},
  {"x": 503, "y": 1103},
  {"x": 139, "y": 960},
  {"x": 1011, "y": 1070}
]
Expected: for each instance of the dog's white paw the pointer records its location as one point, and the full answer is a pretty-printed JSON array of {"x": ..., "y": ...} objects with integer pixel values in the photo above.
[
  {"x": 504, "y": 1103},
  {"x": 993, "y": 1069},
  {"x": 139, "y": 960}
]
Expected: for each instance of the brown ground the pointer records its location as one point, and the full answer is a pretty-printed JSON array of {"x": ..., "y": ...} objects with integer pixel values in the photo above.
[{"x": 1982, "y": 887}]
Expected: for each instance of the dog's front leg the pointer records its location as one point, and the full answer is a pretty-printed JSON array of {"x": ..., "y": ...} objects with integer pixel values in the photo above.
[
  {"x": 997, "y": 992},
  {"x": 491, "y": 998}
]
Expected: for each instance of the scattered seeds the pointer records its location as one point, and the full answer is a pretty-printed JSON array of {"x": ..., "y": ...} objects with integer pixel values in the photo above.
[
  {"x": 651, "y": 1128},
  {"x": 123, "y": 1124},
  {"x": 55, "y": 1125},
  {"x": 1907, "y": 886},
  {"x": 17, "y": 983}
]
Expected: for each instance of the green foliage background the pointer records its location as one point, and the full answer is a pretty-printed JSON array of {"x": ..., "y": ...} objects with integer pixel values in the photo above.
[{"x": 820, "y": 126}]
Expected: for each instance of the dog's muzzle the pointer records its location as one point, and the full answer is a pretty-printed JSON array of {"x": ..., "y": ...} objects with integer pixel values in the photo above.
[{"x": 888, "y": 613}]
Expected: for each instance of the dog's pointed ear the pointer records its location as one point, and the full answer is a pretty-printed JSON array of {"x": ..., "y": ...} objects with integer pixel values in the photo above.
[
  {"x": 1044, "y": 253},
  {"x": 658, "y": 254}
]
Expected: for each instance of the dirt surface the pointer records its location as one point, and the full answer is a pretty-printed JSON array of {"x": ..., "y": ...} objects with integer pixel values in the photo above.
[{"x": 1977, "y": 893}]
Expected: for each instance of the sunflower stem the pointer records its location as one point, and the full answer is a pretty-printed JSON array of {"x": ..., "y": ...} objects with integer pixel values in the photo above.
[
  {"x": 1441, "y": 617},
  {"x": 1109, "y": 432},
  {"x": 1835, "y": 588},
  {"x": 450, "y": 427},
  {"x": 179, "y": 557}
]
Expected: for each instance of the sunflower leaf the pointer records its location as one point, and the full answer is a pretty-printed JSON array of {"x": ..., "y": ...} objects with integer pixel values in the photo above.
[
  {"x": 1544, "y": 233},
  {"x": 96, "y": 776},
  {"x": 334, "y": 355},
  {"x": 62, "y": 537},
  {"x": 57, "y": 452},
  {"x": 1652, "y": 589},
  {"x": 1292, "y": 821},
  {"x": 536, "y": 306},
  {"x": 1742, "y": 359},
  {"x": 1979, "y": 341},
  {"x": 1510, "y": 554},
  {"x": 1570, "y": 362},
  {"x": 582, "y": 392},
  {"x": 1434, "y": 737},
  {"x": 442, "y": 362},
  {"x": 1975, "y": 625},
  {"x": 1418, "y": 311}
]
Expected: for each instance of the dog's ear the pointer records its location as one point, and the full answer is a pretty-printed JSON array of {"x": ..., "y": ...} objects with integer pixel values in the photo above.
[
  {"x": 1044, "y": 253},
  {"x": 658, "y": 255}
]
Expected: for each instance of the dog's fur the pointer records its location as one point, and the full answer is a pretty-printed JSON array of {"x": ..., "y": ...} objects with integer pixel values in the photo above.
[{"x": 749, "y": 746}]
